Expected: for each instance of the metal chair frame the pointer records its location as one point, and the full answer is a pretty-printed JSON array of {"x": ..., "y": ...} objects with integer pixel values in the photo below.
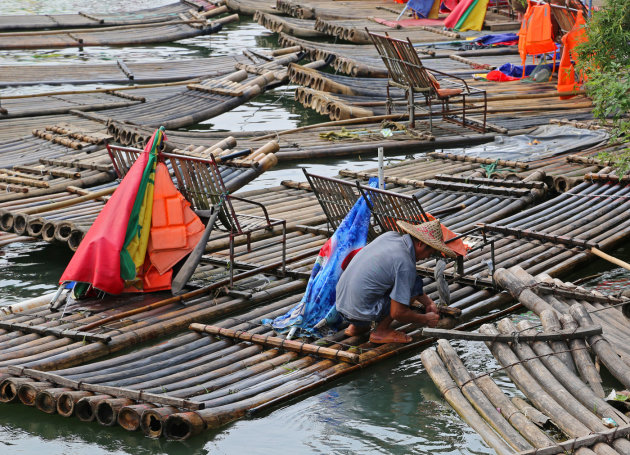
[
  {"x": 337, "y": 197},
  {"x": 407, "y": 71},
  {"x": 200, "y": 182}
]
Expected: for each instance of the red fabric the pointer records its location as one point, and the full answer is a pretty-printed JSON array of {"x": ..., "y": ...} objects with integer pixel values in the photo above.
[
  {"x": 448, "y": 5},
  {"x": 498, "y": 76},
  {"x": 456, "y": 13},
  {"x": 566, "y": 73},
  {"x": 97, "y": 260},
  {"x": 348, "y": 258},
  {"x": 408, "y": 22}
]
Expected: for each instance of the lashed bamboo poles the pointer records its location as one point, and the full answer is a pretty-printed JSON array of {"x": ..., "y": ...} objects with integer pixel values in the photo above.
[
  {"x": 114, "y": 36},
  {"x": 143, "y": 73},
  {"x": 85, "y": 19},
  {"x": 278, "y": 394},
  {"x": 543, "y": 444},
  {"x": 451, "y": 392},
  {"x": 490, "y": 389}
]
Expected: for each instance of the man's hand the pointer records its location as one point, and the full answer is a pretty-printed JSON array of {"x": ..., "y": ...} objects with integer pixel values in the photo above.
[
  {"x": 431, "y": 308},
  {"x": 428, "y": 303},
  {"x": 431, "y": 319}
]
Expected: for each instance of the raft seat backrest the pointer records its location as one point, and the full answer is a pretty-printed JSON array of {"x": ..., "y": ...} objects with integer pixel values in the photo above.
[
  {"x": 407, "y": 71},
  {"x": 200, "y": 182},
  {"x": 337, "y": 197}
]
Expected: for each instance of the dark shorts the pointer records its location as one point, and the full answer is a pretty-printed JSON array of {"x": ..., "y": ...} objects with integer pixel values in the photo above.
[{"x": 385, "y": 310}]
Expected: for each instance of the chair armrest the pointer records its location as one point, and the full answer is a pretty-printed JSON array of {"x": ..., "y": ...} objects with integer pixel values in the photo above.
[
  {"x": 248, "y": 201},
  {"x": 462, "y": 81}
]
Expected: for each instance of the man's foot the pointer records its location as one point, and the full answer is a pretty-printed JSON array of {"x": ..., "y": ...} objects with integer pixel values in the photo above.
[
  {"x": 391, "y": 336},
  {"x": 353, "y": 330}
]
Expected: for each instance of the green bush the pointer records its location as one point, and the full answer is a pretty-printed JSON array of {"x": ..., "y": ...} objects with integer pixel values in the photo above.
[{"x": 605, "y": 60}]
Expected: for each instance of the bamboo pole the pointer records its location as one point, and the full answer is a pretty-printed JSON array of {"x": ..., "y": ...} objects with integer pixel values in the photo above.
[
  {"x": 452, "y": 394},
  {"x": 478, "y": 400},
  {"x": 510, "y": 337},
  {"x": 602, "y": 348},
  {"x": 290, "y": 345},
  {"x": 609, "y": 258},
  {"x": 500, "y": 402}
]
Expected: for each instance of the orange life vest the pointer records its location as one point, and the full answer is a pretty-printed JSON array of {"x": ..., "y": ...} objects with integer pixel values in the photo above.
[{"x": 566, "y": 73}]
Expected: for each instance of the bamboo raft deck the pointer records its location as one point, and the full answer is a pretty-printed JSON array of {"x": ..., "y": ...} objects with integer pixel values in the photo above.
[
  {"x": 301, "y": 28},
  {"x": 558, "y": 377},
  {"x": 121, "y": 72},
  {"x": 510, "y": 105},
  {"x": 128, "y": 35},
  {"x": 325, "y": 9},
  {"x": 174, "y": 105},
  {"x": 163, "y": 13},
  {"x": 362, "y": 60},
  {"x": 46, "y": 200},
  {"x": 94, "y": 100},
  {"x": 250, "y": 7},
  {"x": 238, "y": 373}
]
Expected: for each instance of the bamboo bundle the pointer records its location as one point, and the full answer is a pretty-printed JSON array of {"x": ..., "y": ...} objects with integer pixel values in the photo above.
[
  {"x": 110, "y": 73},
  {"x": 490, "y": 392},
  {"x": 296, "y": 27},
  {"x": 171, "y": 30},
  {"x": 86, "y": 19}
]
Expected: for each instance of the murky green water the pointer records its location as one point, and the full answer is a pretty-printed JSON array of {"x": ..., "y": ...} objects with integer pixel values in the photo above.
[{"x": 392, "y": 408}]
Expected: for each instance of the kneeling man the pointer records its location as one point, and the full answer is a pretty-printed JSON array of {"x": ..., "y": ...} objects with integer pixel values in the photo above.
[{"x": 380, "y": 282}]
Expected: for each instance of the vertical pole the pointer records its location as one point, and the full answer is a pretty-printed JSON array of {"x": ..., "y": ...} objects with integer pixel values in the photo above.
[{"x": 381, "y": 176}]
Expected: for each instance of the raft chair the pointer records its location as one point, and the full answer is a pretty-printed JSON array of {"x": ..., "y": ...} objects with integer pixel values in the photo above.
[
  {"x": 406, "y": 71},
  {"x": 337, "y": 197},
  {"x": 200, "y": 182}
]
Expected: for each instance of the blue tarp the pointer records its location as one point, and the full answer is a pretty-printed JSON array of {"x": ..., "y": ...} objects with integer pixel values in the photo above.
[
  {"x": 488, "y": 40},
  {"x": 319, "y": 298}
]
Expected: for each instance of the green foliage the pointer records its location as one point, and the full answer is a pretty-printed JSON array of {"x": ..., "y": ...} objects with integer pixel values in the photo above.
[{"x": 605, "y": 60}]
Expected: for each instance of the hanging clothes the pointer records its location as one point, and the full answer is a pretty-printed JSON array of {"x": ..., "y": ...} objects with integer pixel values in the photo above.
[
  {"x": 566, "y": 73},
  {"x": 536, "y": 33}
]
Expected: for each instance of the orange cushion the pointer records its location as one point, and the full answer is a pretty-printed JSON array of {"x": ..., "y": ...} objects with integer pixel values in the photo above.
[{"x": 446, "y": 92}]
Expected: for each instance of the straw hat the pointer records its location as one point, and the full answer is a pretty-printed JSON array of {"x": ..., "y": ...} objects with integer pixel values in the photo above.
[{"x": 429, "y": 233}]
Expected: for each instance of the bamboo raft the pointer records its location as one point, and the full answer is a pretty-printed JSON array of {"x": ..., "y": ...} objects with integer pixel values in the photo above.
[
  {"x": 121, "y": 72},
  {"x": 344, "y": 97},
  {"x": 183, "y": 27},
  {"x": 250, "y": 7},
  {"x": 220, "y": 380},
  {"x": 558, "y": 378},
  {"x": 325, "y": 9},
  {"x": 58, "y": 209},
  {"x": 172, "y": 105},
  {"x": 92, "y": 19},
  {"x": 301, "y": 28}
]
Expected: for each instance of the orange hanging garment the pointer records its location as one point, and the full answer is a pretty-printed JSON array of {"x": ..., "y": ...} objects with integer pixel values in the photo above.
[
  {"x": 175, "y": 228},
  {"x": 536, "y": 33},
  {"x": 566, "y": 73}
]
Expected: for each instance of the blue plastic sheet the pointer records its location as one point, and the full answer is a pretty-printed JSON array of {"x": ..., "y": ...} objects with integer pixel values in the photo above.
[
  {"x": 318, "y": 303},
  {"x": 488, "y": 40}
]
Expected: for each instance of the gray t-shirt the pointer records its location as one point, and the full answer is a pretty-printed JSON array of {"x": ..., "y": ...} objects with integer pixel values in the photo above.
[{"x": 383, "y": 270}]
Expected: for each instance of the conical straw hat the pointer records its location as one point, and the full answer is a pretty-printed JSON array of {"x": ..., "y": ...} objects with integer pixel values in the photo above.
[{"x": 429, "y": 233}]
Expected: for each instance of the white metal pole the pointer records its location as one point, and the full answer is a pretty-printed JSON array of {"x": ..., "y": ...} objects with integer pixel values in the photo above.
[{"x": 381, "y": 177}]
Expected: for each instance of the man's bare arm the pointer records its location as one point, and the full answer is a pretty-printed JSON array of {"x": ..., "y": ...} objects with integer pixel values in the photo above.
[{"x": 403, "y": 313}]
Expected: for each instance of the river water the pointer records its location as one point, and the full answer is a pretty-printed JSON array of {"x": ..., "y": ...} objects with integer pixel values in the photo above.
[{"x": 391, "y": 408}]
